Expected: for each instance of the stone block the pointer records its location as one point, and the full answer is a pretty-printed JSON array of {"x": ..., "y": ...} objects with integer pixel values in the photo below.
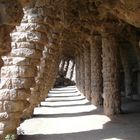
[
  {"x": 13, "y": 95},
  {"x": 11, "y": 106},
  {"x": 26, "y": 52},
  {"x": 23, "y": 94},
  {"x": 16, "y": 45},
  {"x": 20, "y": 61},
  {"x": 19, "y": 36},
  {"x": 37, "y": 37},
  {"x": 9, "y": 116},
  {"x": 9, "y": 126},
  {"x": 18, "y": 71},
  {"x": 35, "y": 19},
  {"x": 24, "y": 27},
  {"x": 19, "y": 83},
  {"x": 6, "y": 83}
]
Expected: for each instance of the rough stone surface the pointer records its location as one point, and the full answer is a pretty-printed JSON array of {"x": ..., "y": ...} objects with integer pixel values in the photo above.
[
  {"x": 111, "y": 75},
  {"x": 87, "y": 61},
  {"x": 53, "y": 30},
  {"x": 96, "y": 70}
]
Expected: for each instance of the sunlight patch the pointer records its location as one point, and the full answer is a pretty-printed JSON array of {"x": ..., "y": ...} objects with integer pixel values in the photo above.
[
  {"x": 112, "y": 139},
  {"x": 63, "y": 125}
]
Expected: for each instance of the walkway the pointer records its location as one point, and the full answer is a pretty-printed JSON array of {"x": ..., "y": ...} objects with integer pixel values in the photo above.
[{"x": 67, "y": 115}]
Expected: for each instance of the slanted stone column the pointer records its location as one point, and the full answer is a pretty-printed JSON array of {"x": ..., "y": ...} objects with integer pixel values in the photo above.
[
  {"x": 77, "y": 61},
  {"x": 55, "y": 59},
  {"x": 10, "y": 16},
  {"x": 87, "y": 62},
  {"x": 61, "y": 67},
  {"x": 82, "y": 72},
  {"x": 48, "y": 68},
  {"x": 35, "y": 91},
  {"x": 66, "y": 66},
  {"x": 111, "y": 73},
  {"x": 45, "y": 79},
  {"x": 20, "y": 69},
  {"x": 96, "y": 70},
  {"x": 72, "y": 70}
]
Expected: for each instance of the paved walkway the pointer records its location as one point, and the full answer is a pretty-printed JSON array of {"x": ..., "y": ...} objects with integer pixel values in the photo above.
[{"x": 67, "y": 115}]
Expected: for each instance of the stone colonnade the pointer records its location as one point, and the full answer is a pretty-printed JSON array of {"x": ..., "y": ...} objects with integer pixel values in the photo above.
[
  {"x": 98, "y": 72},
  {"x": 30, "y": 68},
  {"x": 99, "y": 67},
  {"x": 25, "y": 79}
]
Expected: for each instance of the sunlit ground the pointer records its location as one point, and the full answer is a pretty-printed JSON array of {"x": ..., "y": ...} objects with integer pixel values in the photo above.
[
  {"x": 113, "y": 139},
  {"x": 67, "y": 115},
  {"x": 64, "y": 125},
  {"x": 64, "y": 101}
]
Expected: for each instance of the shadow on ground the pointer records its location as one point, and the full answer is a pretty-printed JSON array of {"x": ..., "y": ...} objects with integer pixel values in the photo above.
[{"x": 121, "y": 127}]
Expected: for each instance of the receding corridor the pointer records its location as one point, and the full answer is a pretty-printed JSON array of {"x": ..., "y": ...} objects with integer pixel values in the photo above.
[{"x": 67, "y": 115}]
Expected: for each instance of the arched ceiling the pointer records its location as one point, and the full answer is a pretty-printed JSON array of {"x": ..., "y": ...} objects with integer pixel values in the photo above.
[{"x": 79, "y": 19}]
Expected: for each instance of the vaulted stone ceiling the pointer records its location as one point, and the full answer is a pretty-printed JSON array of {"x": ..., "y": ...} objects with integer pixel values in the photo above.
[{"x": 83, "y": 18}]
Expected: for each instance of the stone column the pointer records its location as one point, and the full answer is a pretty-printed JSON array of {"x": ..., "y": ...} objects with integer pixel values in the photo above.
[
  {"x": 10, "y": 16},
  {"x": 128, "y": 81},
  {"x": 69, "y": 69},
  {"x": 48, "y": 68},
  {"x": 66, "y": 67},
  {"x": 87, "y": 62},
  {"x": 72, "y": 69},
  {"x": 138, "y": 83},
  {"x": 35, "y": 91},
  {"x": 44, "y": 81},
  {"x": 96, "y": 70},
  {"x": 20, "y": 69},
  {"x": 56, "y": 58},
  {"x": 137, "y": 52},
  {"x": 127, "y": 69},
  {"x": 111, "y": 74},
  {"x": 82, "y": 72},
  {"x": 77, "y": 58},
  {"x": 62, "y": 64}
]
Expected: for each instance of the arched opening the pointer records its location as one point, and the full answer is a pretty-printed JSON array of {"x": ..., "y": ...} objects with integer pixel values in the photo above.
[{"x": 66, "y": 74}]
